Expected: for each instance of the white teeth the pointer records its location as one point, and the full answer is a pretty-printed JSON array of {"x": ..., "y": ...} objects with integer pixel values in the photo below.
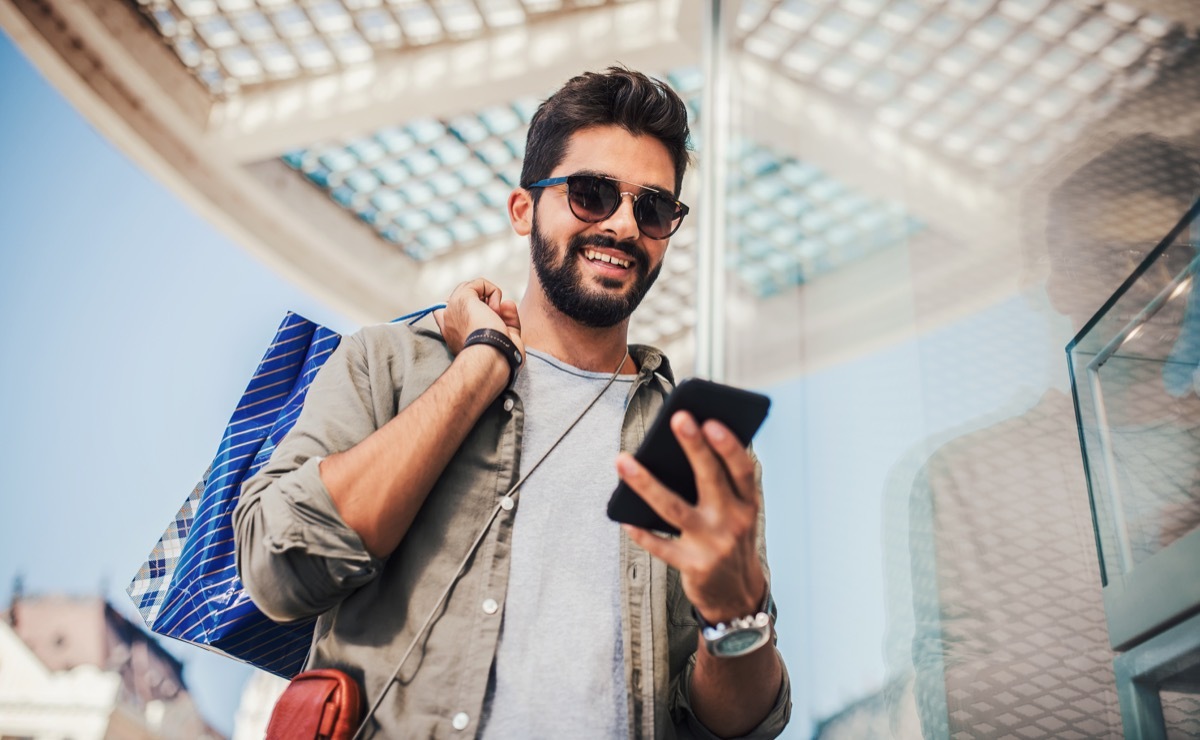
[{"x": 607, "y": 258}]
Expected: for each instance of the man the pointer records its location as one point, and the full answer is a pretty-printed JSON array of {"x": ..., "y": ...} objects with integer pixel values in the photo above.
[{"x": 395, "y": 488}]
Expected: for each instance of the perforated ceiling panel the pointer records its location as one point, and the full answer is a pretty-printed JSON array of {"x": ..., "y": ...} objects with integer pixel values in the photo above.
[
  {"x": 235, "y": 44},
  {"x": 995, "y": 86}
]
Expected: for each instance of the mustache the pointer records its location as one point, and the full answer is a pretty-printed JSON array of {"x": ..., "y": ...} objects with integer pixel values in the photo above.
[{"x": 607, "y": 242}]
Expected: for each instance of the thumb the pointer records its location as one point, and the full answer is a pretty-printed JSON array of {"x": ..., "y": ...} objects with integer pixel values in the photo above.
[
  {"x": 508, "y": 314},
  {"x": 512, "y": 322},
  {"x": 440, "y": 317},
  {"x": 514, "y": 333}
]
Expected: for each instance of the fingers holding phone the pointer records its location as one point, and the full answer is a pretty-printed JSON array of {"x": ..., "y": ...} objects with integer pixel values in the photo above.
[
  {"x": 719, "y": 461},
  {"x": 716, "y": 550},
  {"x": 693, "y": 476},
  {"x": 701, "y": 435}
]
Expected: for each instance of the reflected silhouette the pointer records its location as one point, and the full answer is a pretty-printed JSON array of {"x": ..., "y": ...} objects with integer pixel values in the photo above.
[
  {"x": 1009, "y": 635},
  {"x": 1145, "y": 466}
]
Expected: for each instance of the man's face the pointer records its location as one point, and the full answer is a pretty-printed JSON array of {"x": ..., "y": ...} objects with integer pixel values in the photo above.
[
  {"x": 562, "y": 278},
  {"x": 598, "y": 273}
]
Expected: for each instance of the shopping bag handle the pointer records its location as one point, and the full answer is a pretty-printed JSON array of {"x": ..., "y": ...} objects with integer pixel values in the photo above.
[{"x": 416, "y": 316}]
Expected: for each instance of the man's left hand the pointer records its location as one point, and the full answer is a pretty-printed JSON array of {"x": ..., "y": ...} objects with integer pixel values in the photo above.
[{"x": 715, "y": 553}]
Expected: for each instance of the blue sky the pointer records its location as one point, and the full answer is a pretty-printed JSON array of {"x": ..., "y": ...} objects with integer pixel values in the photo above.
[{"x": 129, "y": 327}]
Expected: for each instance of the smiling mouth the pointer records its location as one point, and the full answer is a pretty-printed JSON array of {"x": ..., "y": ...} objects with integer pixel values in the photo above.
[{"x": 607, "y": 258}]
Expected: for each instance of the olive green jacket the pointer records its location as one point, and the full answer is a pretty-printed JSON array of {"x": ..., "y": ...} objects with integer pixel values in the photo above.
[{"x": 298, "y": 558}]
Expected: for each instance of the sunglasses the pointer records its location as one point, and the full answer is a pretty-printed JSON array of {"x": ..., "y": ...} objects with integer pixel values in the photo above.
[{"x": 594, "y": 198}]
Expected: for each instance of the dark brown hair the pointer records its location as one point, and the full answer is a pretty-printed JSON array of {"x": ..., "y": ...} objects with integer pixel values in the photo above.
[{"x": 617, "y": 97}]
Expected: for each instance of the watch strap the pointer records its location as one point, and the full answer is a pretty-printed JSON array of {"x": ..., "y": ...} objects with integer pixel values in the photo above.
[
  {"x": 501, "y": 342},
  {"x": 761, "y": 622},
  {"x": 767, "y": 607}
]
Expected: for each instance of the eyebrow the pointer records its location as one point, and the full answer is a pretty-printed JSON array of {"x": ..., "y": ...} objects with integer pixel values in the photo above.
[{"x": 598, "y": 173}]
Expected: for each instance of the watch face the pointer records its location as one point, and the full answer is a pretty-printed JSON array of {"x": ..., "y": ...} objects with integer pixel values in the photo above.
[{"x": 740, "y": 642}]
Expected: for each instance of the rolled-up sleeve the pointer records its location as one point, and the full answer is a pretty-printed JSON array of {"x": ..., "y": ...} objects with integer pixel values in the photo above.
[
  {"x": 295, "y": 554},
  {"x": 687, "y": 726}
]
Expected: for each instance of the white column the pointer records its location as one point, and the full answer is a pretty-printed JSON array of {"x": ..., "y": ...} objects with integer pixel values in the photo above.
[{"x": 710, "y": 251}]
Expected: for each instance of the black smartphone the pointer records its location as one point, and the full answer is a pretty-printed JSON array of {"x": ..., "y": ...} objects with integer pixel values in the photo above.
[{"x": 740, "y": 410}]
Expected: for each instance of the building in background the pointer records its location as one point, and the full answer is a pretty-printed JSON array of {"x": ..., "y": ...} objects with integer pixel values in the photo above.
[{"x": 72, "y": 667}]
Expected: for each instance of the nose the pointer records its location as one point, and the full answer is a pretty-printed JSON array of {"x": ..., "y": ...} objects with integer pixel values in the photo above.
[{"x": 621, "y": 224}]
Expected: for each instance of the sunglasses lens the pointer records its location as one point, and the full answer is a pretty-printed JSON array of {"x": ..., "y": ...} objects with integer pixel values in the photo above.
[
  {"x": 657, "y": 216},
  {"x": 592, "y": 198}
]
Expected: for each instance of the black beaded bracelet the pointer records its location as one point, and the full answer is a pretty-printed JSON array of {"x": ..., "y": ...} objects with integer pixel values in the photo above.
[{"x": 500, "y": 341}]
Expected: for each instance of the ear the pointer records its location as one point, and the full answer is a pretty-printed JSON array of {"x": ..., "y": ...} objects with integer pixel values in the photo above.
[{"x": 520, "y": 211}]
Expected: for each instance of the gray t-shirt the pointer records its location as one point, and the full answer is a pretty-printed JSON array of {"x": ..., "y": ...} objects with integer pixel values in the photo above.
[{"x": 559, "y": 668}]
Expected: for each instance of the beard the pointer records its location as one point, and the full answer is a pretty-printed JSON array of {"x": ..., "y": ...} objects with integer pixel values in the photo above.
[{"x": 563, "y": 283}]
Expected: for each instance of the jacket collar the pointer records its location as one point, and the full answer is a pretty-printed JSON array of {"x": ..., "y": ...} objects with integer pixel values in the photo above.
[{"x": 651, "y": 360}]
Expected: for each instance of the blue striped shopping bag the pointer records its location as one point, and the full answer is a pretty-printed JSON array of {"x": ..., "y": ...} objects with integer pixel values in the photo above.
[{"x": 188, "y": 588}]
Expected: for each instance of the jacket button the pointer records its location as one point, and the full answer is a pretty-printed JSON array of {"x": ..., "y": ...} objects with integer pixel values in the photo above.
[
  {"x": 490, "y": 606},
  {"x": 507, "y": 503},
  {"x": 460, "y": 721},
  {"x": 508, "y": 404}
]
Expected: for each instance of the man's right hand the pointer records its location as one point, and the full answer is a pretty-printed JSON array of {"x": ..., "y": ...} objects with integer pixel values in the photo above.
[
  {"x": 477, "y": 304},
  {"x": 380, "y": 484}
]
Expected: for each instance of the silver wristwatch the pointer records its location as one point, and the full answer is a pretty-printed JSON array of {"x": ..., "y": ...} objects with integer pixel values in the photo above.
[{"x": 739, "y": 636}]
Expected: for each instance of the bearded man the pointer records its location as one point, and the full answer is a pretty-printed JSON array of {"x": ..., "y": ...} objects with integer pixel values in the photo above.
[{"x": 444, "y": 514}]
